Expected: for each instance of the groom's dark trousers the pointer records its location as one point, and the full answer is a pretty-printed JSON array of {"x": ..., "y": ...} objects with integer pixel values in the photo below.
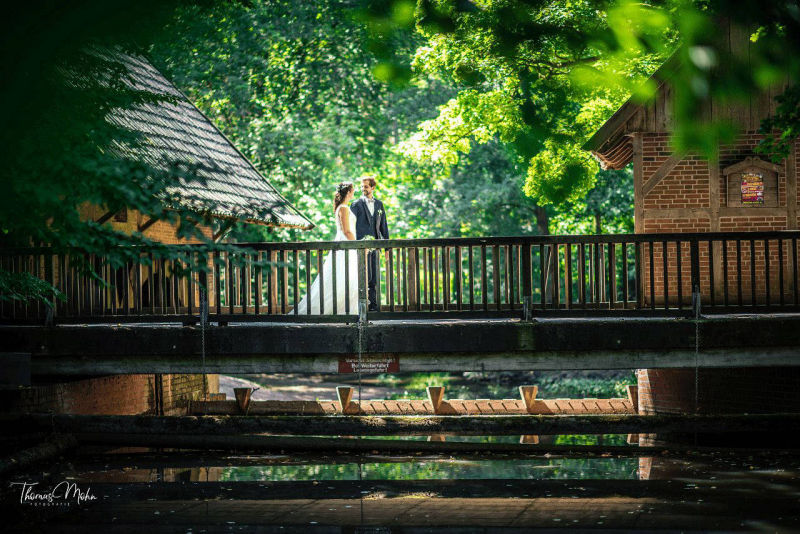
[
  {"x": 373, "y": 224},
  {"x": 373, "y": 276}
]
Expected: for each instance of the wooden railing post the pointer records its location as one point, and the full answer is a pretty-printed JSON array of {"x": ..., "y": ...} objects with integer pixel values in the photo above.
[
  {"x": 272, "y": 282},
  {"x": 362, "y": 285},
  {"x": 637, "y": 274},
  {"x": 412, "y": 278},
  {"x": 527, "y": 291},
  {"x": 203, "y": 298},
  {"x": 694, "y": 252},
  {"x": 504, "y": 282}
]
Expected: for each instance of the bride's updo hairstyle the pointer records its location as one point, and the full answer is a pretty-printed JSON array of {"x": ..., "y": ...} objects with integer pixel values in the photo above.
[{"x": 341, "y": 193}]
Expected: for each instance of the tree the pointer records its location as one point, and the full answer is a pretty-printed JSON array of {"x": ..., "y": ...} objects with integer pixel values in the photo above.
[
  {"x": 606, "y": 209},
  {"x": 297, "y": 87},
  {"x": 60, "y": 151},
  {"x": 543, "y": 76},
  {"x": 291, "y": 83}
]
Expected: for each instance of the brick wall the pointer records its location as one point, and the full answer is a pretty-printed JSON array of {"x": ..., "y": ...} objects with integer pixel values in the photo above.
[
  {"x": 161, "y": 231},
  {"x": 681, "y": 203},
  {"x": 727, "y": 390},
  {"x": 112, "y": 395},
  {"x": 685, "y": 187}
]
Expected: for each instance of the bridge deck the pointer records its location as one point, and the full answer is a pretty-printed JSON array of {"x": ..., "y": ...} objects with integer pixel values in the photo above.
[{"x": 413, "y": 345}]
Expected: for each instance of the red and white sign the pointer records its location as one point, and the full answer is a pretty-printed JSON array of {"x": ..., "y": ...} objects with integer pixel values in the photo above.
[{"x": 373, "y": 363}]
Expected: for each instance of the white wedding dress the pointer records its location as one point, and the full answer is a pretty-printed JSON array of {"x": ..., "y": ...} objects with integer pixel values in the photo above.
[{"x": 343, "y": 258}]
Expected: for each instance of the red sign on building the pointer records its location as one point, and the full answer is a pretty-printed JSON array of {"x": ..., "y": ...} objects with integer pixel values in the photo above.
[{"x": 752, "y": 189}]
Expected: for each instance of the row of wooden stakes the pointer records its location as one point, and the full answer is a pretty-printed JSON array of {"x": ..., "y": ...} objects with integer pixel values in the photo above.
[{"x": 436, "y": 404}]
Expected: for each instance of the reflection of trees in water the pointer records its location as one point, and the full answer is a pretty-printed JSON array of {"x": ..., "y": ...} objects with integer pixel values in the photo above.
[{"x": 540, "y": 468}]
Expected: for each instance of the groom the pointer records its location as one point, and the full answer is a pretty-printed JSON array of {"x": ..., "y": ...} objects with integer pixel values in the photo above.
[{"x": 370, "y": 221}]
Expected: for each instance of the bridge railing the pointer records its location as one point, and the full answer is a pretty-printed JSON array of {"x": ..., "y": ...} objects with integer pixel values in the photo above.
[{"x": 461, "y": 277}]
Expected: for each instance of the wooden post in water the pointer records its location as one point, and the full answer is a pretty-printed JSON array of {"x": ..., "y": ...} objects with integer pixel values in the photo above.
[
  {"x": 436, "y": 395},
  {"x": 345, "y": 394},
  {"x": 633, "y": 397},
  {"x": 528, "y": 394}
]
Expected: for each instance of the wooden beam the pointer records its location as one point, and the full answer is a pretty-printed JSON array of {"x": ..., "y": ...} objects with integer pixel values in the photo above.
[
  {"x": 749, "y": 162},
  {"x": 633, "y": 397},
  {"x": 752, "y": 212},
  {"x": 676, "y": 213},
  {"x": 791, "y": 188},
  {"x": 144, "y": 226},
  {"x": 304, "y": 425},
  {"x": 528, "y": 394},
  {"x": 105, "y": 217},
  {"x": 345, "y": 394},
  {"x": 447, "y": 345},
  {"x": 638, "y": 182},
  {"x": 427, "y": 362},
  {"x": 662, "y": 172},
  {"x": 715, "y": 203},
  {"x": 435, "y": 396},
  {"x": 226, "y": 226},
  {"x": 714, "y": 194}
]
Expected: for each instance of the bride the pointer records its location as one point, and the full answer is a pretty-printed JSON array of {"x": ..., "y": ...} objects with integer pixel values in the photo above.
[{"x": 346, "y": 263}]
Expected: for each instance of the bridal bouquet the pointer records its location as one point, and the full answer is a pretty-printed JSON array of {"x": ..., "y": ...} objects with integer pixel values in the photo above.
[{"x": 369, "y": 238}]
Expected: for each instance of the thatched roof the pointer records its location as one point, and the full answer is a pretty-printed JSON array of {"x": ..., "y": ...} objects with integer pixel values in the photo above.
[{"x": 176, "y": 131}]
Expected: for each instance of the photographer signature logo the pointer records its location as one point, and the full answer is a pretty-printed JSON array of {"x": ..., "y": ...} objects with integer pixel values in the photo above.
[{"x": 64, "y": 493}]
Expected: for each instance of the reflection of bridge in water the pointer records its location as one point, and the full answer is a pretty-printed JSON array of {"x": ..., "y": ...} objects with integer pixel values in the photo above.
[
  {"x": 505, "y": 303},
  {"x": 641, "y": 489}
]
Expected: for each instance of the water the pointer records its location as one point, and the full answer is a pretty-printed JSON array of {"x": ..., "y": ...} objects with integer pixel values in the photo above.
[{"x": 631, "y": 489}]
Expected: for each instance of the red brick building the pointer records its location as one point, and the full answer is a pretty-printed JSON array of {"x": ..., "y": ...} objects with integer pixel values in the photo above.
[{"x": 682, "y": 193}]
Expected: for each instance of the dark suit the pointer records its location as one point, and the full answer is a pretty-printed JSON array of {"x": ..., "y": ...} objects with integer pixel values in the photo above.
[{"x": 375, "y": 225}]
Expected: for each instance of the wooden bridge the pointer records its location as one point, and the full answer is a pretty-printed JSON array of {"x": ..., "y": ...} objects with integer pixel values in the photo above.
[{"x": 532, "y": 302}]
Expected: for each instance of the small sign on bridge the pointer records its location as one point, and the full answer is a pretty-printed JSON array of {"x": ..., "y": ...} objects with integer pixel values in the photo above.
[{"x": 373, "y": 363}]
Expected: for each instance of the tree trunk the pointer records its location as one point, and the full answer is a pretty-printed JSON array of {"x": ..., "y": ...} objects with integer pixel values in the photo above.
[
  {"x": 598, "y": 224},
  {"x": 542, "y": 220}
]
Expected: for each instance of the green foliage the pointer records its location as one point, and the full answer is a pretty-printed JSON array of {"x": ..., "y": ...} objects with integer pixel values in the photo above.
[
  {"x": 471, "y": 114},
  {"x": 426, "y": 469},
  {"x": 606, "y": 208},
  {"x": 561, "y": 387},
  {"x": 555, "y": 71},
  {"x": 527, "y": 77},
  {"x": 336, "y": 121},
  {"x": 61, "y": 149},
  {"x": 24, "y": 286},
  {"x": 561, "y": 172}
]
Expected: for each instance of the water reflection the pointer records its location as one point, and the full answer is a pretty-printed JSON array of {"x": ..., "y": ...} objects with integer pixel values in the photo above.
[
  {"x": 335, "y": 492},
  {"x": 540, "y": 468}
]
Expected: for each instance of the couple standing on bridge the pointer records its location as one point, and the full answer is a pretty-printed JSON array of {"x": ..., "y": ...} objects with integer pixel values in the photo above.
[{"x": 365, "y": 218}]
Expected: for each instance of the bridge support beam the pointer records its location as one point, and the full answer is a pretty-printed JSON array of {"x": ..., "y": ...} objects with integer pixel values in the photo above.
[
  {"x": 445, "y": 345},
  {"x": 483, "y": 425}
]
